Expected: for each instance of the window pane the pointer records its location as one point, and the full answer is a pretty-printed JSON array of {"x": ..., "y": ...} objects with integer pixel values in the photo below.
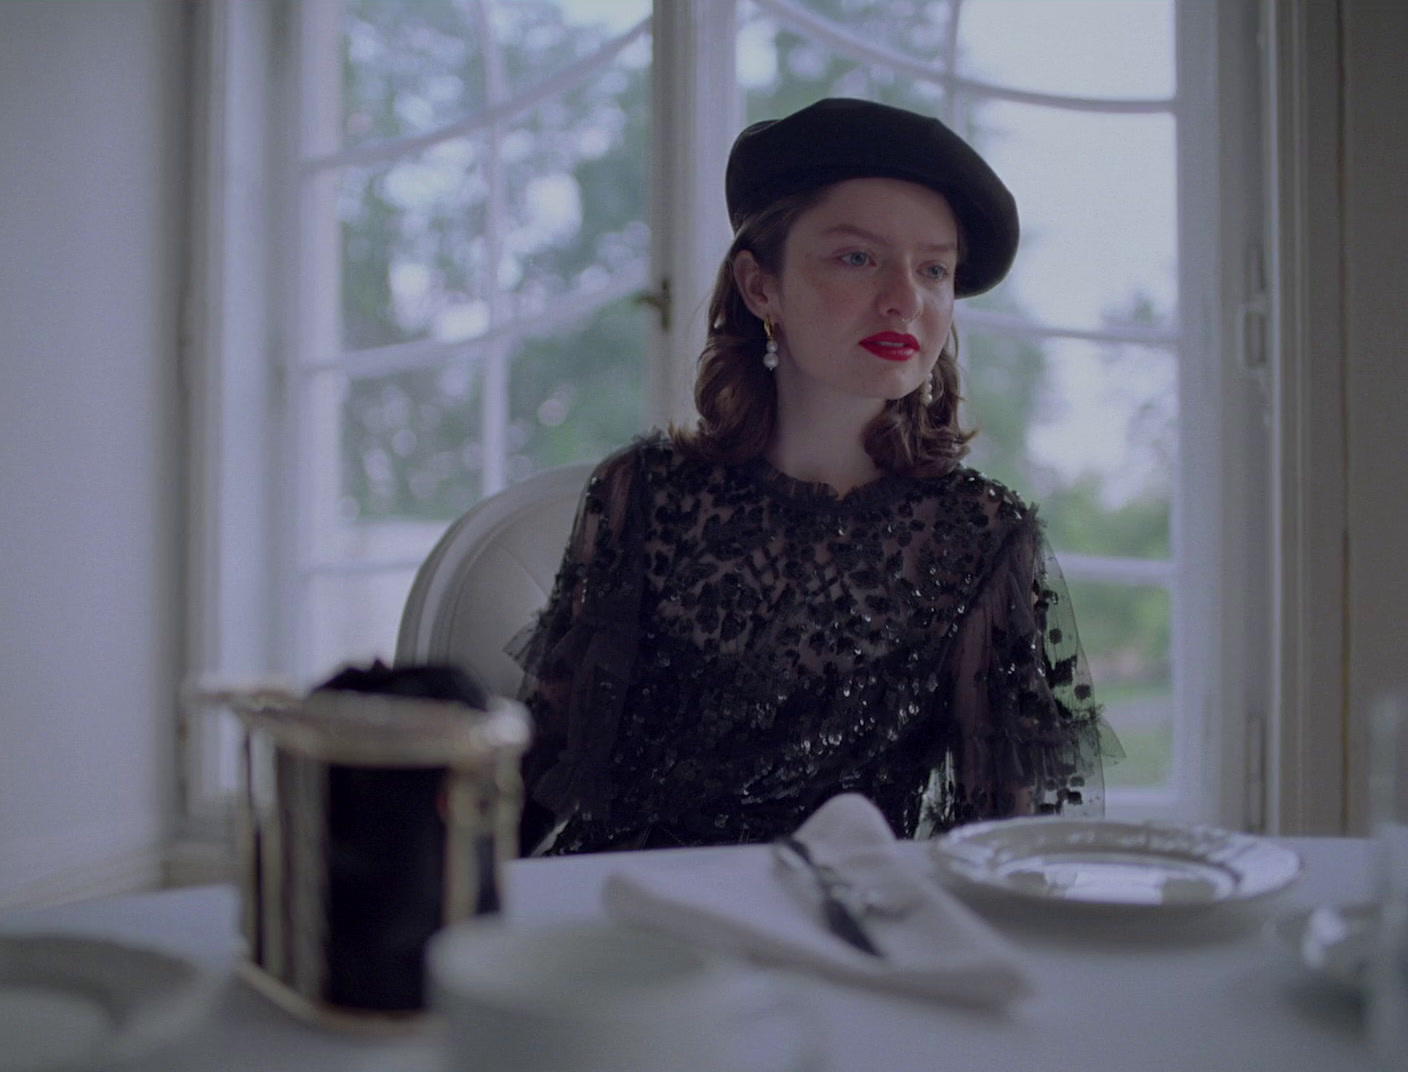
[
  {"x": 1107, "y": 452},
  {"x": 484, "y": 231},
  {"x": 354, "y": 618},
  {"x": 538, "y": 40},
  {"x": 781, "y": 68},
  {"x": 1125, "y": 632},
  {"x": 409, "y": 68},
  {"x": 414, "y": 66},
  {"x": 1103, "y": 48},
  {"x": 473, "y": 312},
  {"x": 1089, "y": 430},
  {"x": 1099, "y": 206},
  {"x": 1003, "y": 383},
  {"x": 411, "y": 446},
  {"x": 415, "y": 262},
  {"x": 577, "y": 396},
  {"x": 413, "y": 441}
]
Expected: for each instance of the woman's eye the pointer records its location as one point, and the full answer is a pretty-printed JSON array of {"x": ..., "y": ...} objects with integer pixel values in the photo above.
[
  {"x": 936, "y": 271},
  {"x": 855, "y": 259}
]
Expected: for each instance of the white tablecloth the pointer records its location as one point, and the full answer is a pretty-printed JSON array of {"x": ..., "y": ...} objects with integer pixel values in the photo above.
[{"x": 1206, "y": 994}]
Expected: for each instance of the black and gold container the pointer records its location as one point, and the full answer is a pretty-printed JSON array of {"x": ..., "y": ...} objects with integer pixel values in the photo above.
[{"x": 367, "y": 822}]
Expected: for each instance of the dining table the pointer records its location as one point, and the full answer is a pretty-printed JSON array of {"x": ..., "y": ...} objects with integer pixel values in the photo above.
[{"x": 1113, "y": 991}]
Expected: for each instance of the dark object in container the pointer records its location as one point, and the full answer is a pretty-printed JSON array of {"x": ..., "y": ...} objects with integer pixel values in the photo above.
[
  {"x": 430, "y": 682},
  {"x": 386, "y": 859}
]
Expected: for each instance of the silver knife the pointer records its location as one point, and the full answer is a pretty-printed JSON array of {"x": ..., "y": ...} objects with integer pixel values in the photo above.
[{"x": 840, "y": 919}]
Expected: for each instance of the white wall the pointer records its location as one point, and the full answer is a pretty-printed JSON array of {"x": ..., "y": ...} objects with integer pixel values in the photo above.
[
  {"x": 1375, "y": 229},
  {"x": 90, "y": 476}
]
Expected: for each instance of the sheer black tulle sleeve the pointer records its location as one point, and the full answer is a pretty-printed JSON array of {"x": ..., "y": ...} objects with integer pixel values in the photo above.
[
  {"x": 1027, "y": 734},
  {"x": 578, "y": 656}
]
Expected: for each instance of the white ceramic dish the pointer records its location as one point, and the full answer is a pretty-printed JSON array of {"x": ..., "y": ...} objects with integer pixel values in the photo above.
[
  {"x": 1332, "y": 944},
  {"x": 1112, "y": 864},
  {"x": 69, "y": 1004}
]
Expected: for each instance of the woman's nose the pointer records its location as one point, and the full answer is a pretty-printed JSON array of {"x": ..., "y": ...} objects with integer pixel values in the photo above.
[{"x": 899, "y": 294}]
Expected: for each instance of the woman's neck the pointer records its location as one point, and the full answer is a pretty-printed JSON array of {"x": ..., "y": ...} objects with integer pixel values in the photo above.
[{"x": 824, "y": 444}]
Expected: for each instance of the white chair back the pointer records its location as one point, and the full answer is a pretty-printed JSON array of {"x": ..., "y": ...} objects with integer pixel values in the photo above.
[{"x": 488, "y": 575}]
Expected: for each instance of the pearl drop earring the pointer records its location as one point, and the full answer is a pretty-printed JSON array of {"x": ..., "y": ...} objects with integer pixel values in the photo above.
[
  {"x": 926, "y": 392},
  {"x": 770, "y": 353}
]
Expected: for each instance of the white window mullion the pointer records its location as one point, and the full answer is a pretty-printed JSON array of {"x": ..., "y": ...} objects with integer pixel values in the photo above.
[
  {"x": 436, "y": 353},
  {"x": 1219, "y": 511},
  {"x": 1111, "y": 570},
  {"x": 495, "y": 385},
  {"x": 229, "y": 367},
  {"x": 389, "y": 150},
  {"x": 314, "y": 408},
  {"x": 1196, "y": 506},
  {"x": 1001, "y": 323},
  {"x": 1244, "y": 595},
  {"x": 697, "y": 112}
]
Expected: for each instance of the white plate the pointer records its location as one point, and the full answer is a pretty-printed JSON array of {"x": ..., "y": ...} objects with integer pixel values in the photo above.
[
  {"x": 1115, "y": 864},
  {"x": 70, "y": 1004},
  {"x": 1333, "y": 944}
]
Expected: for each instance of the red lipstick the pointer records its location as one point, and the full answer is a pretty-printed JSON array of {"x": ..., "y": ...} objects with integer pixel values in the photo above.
[{"x": 892, "y": 346}]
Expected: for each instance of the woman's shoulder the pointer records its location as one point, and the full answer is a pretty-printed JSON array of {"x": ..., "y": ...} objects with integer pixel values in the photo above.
[
  {"x": 647, "y": 460},
  {"x": 647, "y": 451},
  {"x": 980, "y": 496}
]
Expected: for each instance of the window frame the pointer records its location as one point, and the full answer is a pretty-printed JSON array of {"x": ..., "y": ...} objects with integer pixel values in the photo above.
[
  {"x": 1223, "y": 515},
  {"x": 230, "y": 324},
  {"x": 246, "y": 544}
]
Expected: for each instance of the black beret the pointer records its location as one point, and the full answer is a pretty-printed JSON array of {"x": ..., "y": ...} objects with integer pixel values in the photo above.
[{"x": 839, "y": 138}]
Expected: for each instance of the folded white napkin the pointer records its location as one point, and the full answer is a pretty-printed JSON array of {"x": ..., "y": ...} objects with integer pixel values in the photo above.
[{"x": 747, "y": 903}]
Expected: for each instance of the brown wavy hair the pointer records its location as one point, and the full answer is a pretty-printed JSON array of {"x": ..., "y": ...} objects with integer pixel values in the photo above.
[{"x": 737, "y": 396}]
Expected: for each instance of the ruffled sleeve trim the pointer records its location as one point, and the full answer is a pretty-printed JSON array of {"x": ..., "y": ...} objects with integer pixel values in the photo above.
[
  {"x": 1027, "y": 735},
  {"x": 578, "y": 657}
]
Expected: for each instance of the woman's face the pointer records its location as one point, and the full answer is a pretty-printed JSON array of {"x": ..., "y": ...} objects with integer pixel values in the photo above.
[{"x": 864, "y": 300}]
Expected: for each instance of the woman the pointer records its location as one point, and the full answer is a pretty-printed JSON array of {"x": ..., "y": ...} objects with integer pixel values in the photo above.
[{"x": 807, "y": 594}]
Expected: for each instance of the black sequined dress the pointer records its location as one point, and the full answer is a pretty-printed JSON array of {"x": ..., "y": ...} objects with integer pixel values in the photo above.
[{"x": 726, "y": 647}]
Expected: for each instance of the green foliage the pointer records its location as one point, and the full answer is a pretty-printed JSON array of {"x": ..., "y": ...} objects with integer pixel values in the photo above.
[
  {"x": 1124, "y": 630},
  {"x": 411, "y": 440},
  {"x": 1078, "y": 520},
  {"x": 1148, "y": 758},
  {"x": 593, "y": 379},
  {"x": 369, "y": 316},
  {"x": 1002, "y": 384}
]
